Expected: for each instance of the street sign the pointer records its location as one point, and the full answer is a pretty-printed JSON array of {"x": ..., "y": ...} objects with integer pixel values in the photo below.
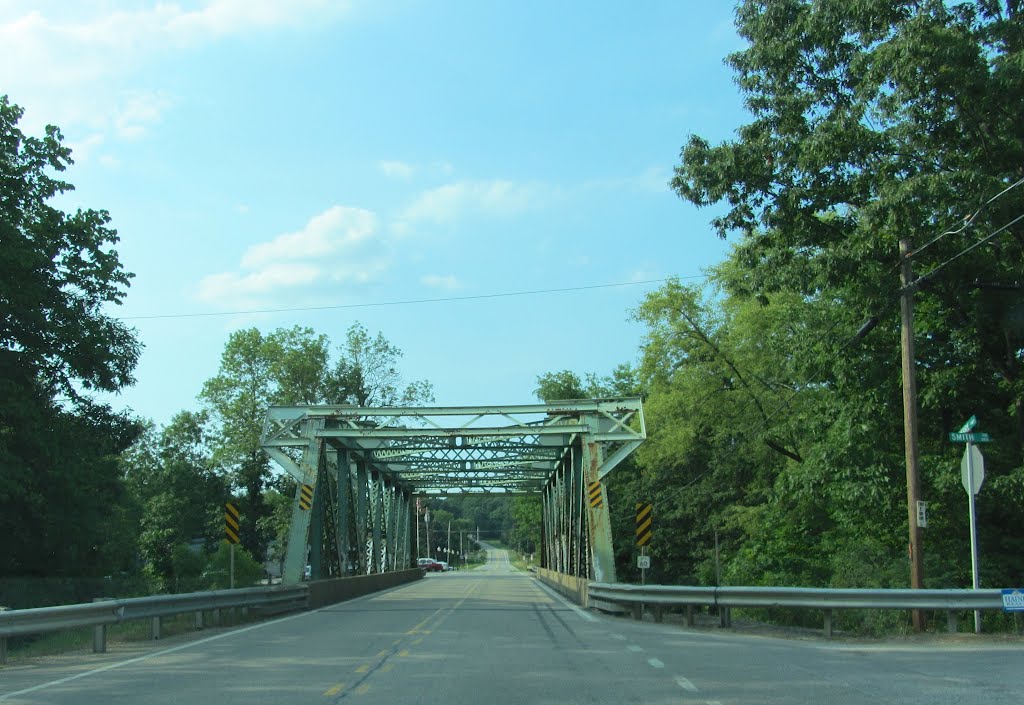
[
  {"x": 643, "y": 562},
  {"x": 306, "y": 497},
  {"x": 972, "y": 469},
  {"x": 231, "y": 522},
  {"x": 643, "y": 523},
  {"x": 958, "y": 437},
  {"x": 969, "y": 424},
  {"x": 922, "y": 514},
  {"x": 1013, "y": 600}
]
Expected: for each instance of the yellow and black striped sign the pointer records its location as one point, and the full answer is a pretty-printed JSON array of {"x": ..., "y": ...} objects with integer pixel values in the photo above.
[
  {"x": 594, "y": 493},
  {"x": 643, "y": 523},
  {"x": 231, "y": 522},
  {"x": 306, "y": 498}
]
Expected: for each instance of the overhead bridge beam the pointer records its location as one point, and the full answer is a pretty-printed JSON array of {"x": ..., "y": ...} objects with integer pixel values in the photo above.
[{"x": 364, "y": 465}]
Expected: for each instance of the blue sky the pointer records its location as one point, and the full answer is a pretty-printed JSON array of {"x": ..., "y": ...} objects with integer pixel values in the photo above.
[{"x": 261, "y": 155}]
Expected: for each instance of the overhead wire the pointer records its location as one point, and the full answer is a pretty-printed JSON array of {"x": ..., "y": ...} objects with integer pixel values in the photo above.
[{"x": 406, "y": 302}]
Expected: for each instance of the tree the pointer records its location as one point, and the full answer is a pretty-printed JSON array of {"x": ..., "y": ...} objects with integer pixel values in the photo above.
[
  {"x": 181, "y": 496},
  {"x": 871, "y": 122},
  {"x": 63, "y": 508},
  {"x": 290, "y": 366},
  {"x": 366, "y": 373}
]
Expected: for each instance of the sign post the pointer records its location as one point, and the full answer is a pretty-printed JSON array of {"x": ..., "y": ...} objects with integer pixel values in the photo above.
[
  {"x": 972, "y": 475},
  {"x": 643, "y": 537}
]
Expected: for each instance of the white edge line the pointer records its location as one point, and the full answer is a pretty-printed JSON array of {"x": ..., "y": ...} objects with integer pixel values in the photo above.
[
  {"x": 635, "y": 649},
  {"x": 656, "y": 663},
  {"x": 182, "y": 647},
  {"x": 575, "y": 608}
]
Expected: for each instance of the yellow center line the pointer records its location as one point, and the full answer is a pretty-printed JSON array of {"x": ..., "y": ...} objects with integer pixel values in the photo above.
[
  {"x": 382, "y": 652},
  {"x": 386, "y": 667},
  {"x": 363, "y": 669},
  {"x": 417, "y": 642},
  {"x": 335, "y": 690},
  {"x": 403, "y": 653},
  {"x": 361, "y": 690}
]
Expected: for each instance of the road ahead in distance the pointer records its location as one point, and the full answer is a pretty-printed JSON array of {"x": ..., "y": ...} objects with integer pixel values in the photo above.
[{"x": 492, "y": 636}]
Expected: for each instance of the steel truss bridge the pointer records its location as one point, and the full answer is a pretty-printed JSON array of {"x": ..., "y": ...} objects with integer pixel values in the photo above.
[{"x": 360, "y": 469}]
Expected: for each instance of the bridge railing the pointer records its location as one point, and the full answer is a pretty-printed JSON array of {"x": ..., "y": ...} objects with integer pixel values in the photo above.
[
  {"x": 104, "y": 612},
  {"x": 825, "y": 599}
]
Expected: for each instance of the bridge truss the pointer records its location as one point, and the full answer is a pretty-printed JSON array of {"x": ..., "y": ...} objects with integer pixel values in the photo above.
[{"x": 360, "y": 469}]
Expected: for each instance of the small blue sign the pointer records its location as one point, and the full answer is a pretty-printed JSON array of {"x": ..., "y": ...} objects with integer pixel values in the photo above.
[{"x": 1013, "y": 600}]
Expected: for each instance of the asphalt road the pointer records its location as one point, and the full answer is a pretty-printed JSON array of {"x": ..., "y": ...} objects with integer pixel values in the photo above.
[{"x": 493, "y": 636}]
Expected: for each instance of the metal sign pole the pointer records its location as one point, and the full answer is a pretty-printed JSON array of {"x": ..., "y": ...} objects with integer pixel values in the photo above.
[
  {"x": 232, "y": 566},
  {"x": 974, "y": 531}
]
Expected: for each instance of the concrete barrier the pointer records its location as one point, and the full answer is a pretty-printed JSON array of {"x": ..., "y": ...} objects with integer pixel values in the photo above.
[
  {"x": 328, "y": 592},
  {"x": 569, "y": 585}
]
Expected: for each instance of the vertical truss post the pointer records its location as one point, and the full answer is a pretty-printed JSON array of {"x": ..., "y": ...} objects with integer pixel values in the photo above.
[
  {"x": 344, "y": 519},
  {"x": 316, "y": 527},
  {"x": 298, "y": 531},
  {"x": 391, "y": 494},
  {"x": 408, "y": 517},
  {"x": 378, "y": 521},
  {"x": 362, "y": 515},
  {"x": 602, "y": 553},
  {"x": 548, "y": 559}
]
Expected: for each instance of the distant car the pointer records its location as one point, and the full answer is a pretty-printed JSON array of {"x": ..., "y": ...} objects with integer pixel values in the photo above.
[
  {"x": 429, "y": 565},
  {"x": 444, "y": 565}
]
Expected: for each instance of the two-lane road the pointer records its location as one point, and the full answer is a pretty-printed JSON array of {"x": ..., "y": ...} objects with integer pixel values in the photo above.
[{"x": 495, "y": 636}]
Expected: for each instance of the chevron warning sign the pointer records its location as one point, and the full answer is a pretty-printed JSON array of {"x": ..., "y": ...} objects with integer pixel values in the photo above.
[
  {"x": 231, "y": 522},
  {"x": 643, "y": 523},
  {"x": 594, "y": 494},
  {"x": 306, "y": 498}
]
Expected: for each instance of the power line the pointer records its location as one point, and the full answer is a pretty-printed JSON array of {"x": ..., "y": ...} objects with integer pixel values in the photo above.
[
  {"x": 407, "y": 302},
  {"x": 969, "y": 220},
  {"x": 988, "y": 238}
]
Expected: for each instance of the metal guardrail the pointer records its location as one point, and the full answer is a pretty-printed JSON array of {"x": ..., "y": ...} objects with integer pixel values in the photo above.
[
  {"x": 826, "y": 599},
  {"x": 102, "y": 613}
]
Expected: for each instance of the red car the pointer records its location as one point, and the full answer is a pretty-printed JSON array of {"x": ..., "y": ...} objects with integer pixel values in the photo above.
[{"x": 429, "y": 565}]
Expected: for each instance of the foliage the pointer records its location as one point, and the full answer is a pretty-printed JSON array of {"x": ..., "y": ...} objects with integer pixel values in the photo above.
[
  {"x": 64, "y": 511},
  {"x": 217, "y": 573},
  {"x": 172, "y": 478},
  {"x": 290, "y": 366}
]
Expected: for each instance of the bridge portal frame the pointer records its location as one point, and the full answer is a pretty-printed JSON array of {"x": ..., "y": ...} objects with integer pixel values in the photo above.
[{"x": 366, "y": 464}]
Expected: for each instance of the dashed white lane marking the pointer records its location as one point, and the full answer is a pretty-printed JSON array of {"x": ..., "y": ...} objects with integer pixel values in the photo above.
[
  {"x": 685, "y": 684},
  {"x": 620, "y": 637},
  {"x": 655, "y": 663},
  {"x": 634, "y": 648}
]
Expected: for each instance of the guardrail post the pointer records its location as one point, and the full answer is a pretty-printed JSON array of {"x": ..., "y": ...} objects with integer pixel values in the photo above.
[
  {"x": 725, "y": 617},
  {"x": 99, "y": 632},
  {"x": 689, "y": 616},
  {"x": 951, "y": 622},
  {"x": 199, "y": 619},
  {"x": 216, "y": 617},
  {"x": 3, "y": 649},
  {"x": 659, "y": 614},
  {"x": 828, "y": 624},
  {"x": 638, "y": 610},
  {"x": 154, "y": 628}
]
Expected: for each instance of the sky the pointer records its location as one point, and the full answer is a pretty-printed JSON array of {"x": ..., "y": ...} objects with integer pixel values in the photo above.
[{"x": 334, "y": 162}]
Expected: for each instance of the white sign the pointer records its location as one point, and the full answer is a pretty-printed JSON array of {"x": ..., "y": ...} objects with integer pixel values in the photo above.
[
  {"x": 922, "y": 514},
  {"x": 972, "y": 457},
  {"x": 1013, "y": 600},
  {"x": 643, "y": 562}
]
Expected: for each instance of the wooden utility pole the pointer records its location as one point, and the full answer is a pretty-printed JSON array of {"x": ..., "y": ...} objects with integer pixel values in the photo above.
[{"x": 910, "y": 423}]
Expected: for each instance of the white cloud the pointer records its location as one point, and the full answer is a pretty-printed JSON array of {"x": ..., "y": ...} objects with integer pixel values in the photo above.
[
  {"x": 339, "y": 246},
  {"x": 450, "y": 202},
  {"x": 396, "y": 169},
  {"x": 448, "y": 282},
  {"x": 335, "y": 230},
  {"x": 65, "y": 59}
]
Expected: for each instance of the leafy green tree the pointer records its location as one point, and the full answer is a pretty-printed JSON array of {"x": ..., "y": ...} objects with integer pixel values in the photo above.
[
  {"x": 871, "y": 122},
  {"x": 290, "y": 367},
  {"x": 172, "y": 478},
  {"x": 366, "y": 373},
  {"x": 217, "y": 572},
  {"x": 63, "y": 508}
]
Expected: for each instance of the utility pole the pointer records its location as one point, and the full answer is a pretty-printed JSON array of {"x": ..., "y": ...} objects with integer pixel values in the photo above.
[{"x": 910, "y": 423}]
